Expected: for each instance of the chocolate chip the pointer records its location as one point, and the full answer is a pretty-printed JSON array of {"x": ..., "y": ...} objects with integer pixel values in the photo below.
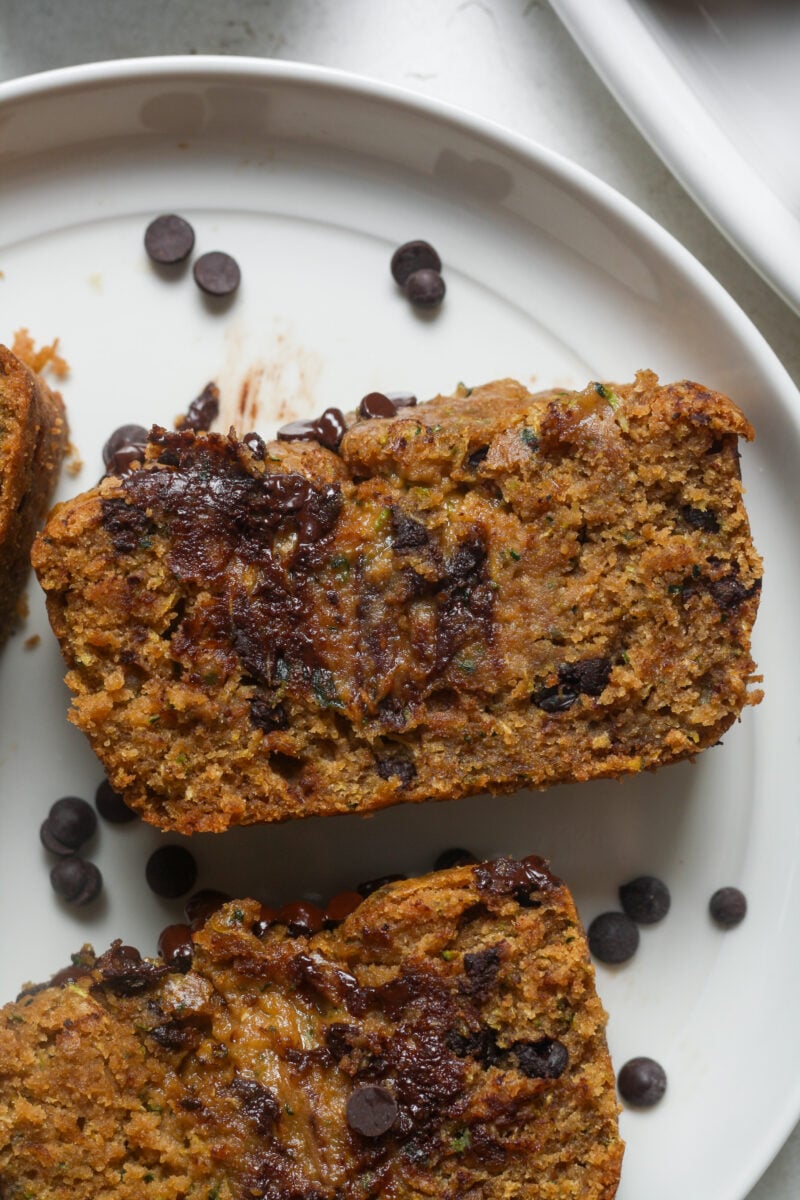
[
  {"x": 301, "y": 918},
  {"x": 339, "y": 1039},
  {"x": 341, "y": 906},
  {"x": 425, "y": 288},
  {"x": 203, "y": 410},
  {"x": 589, "y": 676},
  {"x": 76, "y": 880},
  {"x": 267, "y": 917},
  {"x": 728, "y": 907},
  {"x": 480, "y": 970},
  {"x": 169, "y": 239},
  {"x": 477, "y": 458},
  {"x": 507, "y": 877},
  {"x": 327, "y": 429},
  {"x": 553, "y": 699},
  {"x": 376, "y": 404},
  {"x": 372, "y": 885},
  {"x": 266, "y": 715},
  {"x": 480, "y": 1045},
  {"x": 72, "y": 822},
  {"x": 171, "y": 871},
  {"x": 111, "y": 806},
  {"x": 258, "y": 1103},
  {"x": 203, "y": 904},
  {"x": 454, "y": 858},
  {"x": 613, "y": 937},
  {"x": 176, "y": 948},
  {"x": 396, "y": 766},
  {"x": 173, "y": 1036},
  {"x": 371, "y": 1110},
  {"x": 546, "y": 1058},
  {"x": 642, "y": 1082},
  {"x": 645, "y": 899},
  {"x": 407, "y": 533},
  {"x": 124, "y": 447},
  {"x": 125, "y": 972},
  {"x": 700, "y": 518},
  {"x": 256, "y": 445},
  {"x": 217, "y": 274},
  {"x": 411, "y": 257},
  {"x": 729, "y": 593}
]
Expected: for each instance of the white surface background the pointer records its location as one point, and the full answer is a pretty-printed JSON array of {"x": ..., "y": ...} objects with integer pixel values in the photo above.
[{"x": 509, "y": 60}]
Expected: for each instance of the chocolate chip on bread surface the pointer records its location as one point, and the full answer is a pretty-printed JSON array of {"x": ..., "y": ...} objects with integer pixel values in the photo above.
[
  {"x": 33, "y": 441},
  {"x": 488, "y": 591},
  {"x": 444, "y": 1040}
]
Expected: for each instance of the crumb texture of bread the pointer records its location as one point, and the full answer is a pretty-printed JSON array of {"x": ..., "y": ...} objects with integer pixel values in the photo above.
[
  {"x": 489, "y": 591},
  {"x": 33, "y": 441},
  {"x": 465, "y": 998}
]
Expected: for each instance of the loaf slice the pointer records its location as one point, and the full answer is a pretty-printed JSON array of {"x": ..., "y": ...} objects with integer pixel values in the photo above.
[
  {"x": 488, "y": 591},
  {"x": 444, "y": 1041},
  {"x": 33, "y": 441}
]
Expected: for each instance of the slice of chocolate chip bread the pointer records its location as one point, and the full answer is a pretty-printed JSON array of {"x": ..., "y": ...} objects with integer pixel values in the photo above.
[
  {"x": 444, "y": 1040},
  {"x": 488, "y": 591},
  {"x": 33, "y": 440}
]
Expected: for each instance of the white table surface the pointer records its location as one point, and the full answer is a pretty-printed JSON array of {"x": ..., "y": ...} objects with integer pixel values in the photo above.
[{"x": 509, "y": 60}]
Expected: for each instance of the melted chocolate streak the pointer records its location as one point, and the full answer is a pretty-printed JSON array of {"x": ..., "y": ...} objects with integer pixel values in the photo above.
[{"x": 213, "y": 511}]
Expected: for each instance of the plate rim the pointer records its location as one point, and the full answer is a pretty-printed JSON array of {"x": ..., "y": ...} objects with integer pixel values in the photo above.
[
  {"x": 646, "y": 90},
  {"x": 570, "y": 174}
]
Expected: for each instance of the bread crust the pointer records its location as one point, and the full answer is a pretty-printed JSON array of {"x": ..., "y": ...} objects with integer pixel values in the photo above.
[
  {"x": 490, "y": 591},
  {"x": 33, "y": 441},
  {"x": 466, "y": 997}
]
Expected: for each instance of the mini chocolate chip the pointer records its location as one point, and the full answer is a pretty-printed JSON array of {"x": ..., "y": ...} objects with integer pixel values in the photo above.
[
  {"x": 642, "y": 1082},
  {"x": 376, "y": 404},
  {"x": 258, "y": 1103},
  {"x": 413, "y": 256},
  {"x": 700, "y": 518},
  {"x": 51, "y": 843},
  {"x": 613, "y": 937},
  {"x": 125, "y": 438},
  {"x": 200, "y": 906},
  {"x": 729, "y": 592},
  {"x": 728, "y": 907},
  {"x": 72, "y": 821},
  {"x": 327, "y": 429},
  {"x": 217, "y": 274},
  {"x": 372, "y": 885},
  {"x": 341, "y": 906},
  {"x": 546, "y": 1058},
  {"x": 171, "y": 871},
  {"x": 554, "y": 699},
  {"x": 371, "y": 1110},
  {"x": 76, "y": 880},
  {"x": 454, "y": 858},
  {"x": 267, "y": 917},
  {"x": 301, "y": 918},
  {"x": 425, "y": 288},
  {"x": 477, "y": 458},
  {"x": 175, "y": 947},
  {"x": 169, "y": 239},
  {"x": 589, "y": 676},
  {"x": 645, "y": 899},
  {"x": 256, "y": 445},
  {"x": 203, "y": 410},
  {"x": 111, "y": 806},
  {"x": 396, "y": 766},
  {"x": 407, "y": 533}
]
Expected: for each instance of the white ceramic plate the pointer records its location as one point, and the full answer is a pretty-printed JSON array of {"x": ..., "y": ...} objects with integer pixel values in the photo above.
[
  {"x": 715, "y": 89},
  {"x": 311, "y": 179}
]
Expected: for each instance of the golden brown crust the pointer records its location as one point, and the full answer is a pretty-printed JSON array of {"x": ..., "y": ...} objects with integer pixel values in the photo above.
[
  {"x": 33, "y": 441},
  {"x": 489, "y": 591},
  {"x": 466, "y": 996}
]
